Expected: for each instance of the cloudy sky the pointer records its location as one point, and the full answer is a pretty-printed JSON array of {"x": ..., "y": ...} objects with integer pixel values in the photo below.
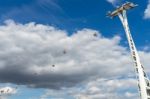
[{"x": 69, "y": 49}]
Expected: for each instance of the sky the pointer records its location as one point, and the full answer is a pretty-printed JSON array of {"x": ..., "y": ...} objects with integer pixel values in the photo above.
[{"x": 69, "y": 49}]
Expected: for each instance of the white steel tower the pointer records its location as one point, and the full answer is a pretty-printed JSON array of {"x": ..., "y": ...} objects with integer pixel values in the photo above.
[{"x": 143, "y": 81}]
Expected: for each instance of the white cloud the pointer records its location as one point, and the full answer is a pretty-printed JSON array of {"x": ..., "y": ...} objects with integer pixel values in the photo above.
[
  {"x": 79, "y": 65},
  {"x": 33, "y": 55},
  {"x": 147, "y": 11},
  {"x": 7, "y": 91},
  {"x": 106, "y": 89},
  {"x": 99, "y": 89},
  {"x": 113, "y": 2}
]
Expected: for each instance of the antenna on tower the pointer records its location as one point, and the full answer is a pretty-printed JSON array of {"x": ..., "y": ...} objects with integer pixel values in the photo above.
[{"x": 143, "y": 81}]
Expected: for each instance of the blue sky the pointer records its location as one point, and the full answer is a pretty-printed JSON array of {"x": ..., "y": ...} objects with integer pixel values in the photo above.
[
  {"x": 92, "y": 14},
  {"x": 75, "y": 14},
  {"x": 68, "y": 17}
]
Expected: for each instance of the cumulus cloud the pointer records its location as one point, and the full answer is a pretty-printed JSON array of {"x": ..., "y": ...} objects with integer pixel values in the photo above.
[
  {"x": 147, "y": 11},
  {"x": 42, "y": 56},
  {"x": 33, "y": 54}
]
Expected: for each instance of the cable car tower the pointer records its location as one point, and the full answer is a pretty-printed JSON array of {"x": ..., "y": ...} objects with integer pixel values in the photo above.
[{"x": 143, "y": 81}]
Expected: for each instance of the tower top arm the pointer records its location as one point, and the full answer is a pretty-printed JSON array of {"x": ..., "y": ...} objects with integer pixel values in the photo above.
[{"x": 125, "y": 6}]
